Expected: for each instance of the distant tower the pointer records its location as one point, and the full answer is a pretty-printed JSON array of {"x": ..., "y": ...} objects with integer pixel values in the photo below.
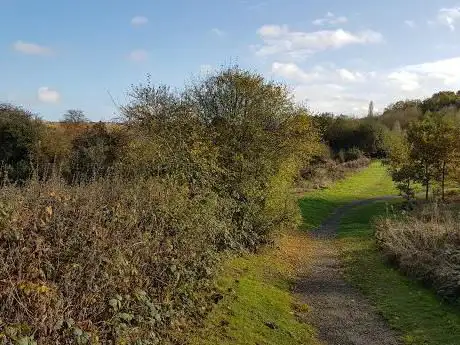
[{"x": 371, "y": 109}]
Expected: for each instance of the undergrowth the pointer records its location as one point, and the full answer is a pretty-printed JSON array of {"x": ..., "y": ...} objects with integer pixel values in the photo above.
[
  {"x": 410, "y": 307},
  {"x": 425, "y": 244}
]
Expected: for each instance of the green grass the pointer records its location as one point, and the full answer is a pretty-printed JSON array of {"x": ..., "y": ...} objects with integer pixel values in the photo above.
[
  {"x": 259, "y": 288},
  {"x": 410, "y": 308},
  {"x": 370, "y": 182},
  {"x": 260, "y": 285},
  {"x": 415, "y": 311}
]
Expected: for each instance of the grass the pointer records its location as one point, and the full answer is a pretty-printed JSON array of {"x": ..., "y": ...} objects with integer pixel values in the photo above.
[
  {"x": 410, "y": 308},
  {"x": 258, "y": 286},
  {"x": 371, "y": 182},
  {"x": 258, "y": 307},
  {"x": 415, "y": 311}
]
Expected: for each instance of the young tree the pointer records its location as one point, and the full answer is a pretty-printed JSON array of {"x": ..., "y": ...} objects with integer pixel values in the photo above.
[
  {"x": 425, "y": 142},
  {"x": 446, "y": 139},
  {"x": 74, "y": 116},
  {"x": 370, "y": 112}
]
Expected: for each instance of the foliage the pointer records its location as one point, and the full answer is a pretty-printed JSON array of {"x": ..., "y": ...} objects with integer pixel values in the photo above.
[
  {"x": 95, "y": 151},
  {"x": 401, "y": 113},
  {"x": 344, "y": 133},
  {"x": 124, "y": 248},
  {"x": 74, "y": 116},
  {"x": 322, "y": 171},
  {"x": 426, "y": 153},
  {"x": 19, "y": 136},
  {"x": 117, "y": 260}
]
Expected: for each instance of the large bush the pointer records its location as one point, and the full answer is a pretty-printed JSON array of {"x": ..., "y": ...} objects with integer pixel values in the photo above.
[
  {"x": 126, "y": 254},
  {"x": 111, "y": 261},
  {"x": 19, "y": 139}
]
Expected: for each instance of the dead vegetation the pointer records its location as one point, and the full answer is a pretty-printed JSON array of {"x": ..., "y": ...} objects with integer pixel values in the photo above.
[{"x": 425, "y": 244}]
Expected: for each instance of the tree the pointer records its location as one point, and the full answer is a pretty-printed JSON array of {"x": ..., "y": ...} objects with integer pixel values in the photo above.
[
  {"x": 402, "y": 169},
  {"x": 371, "y": 109},
  {"x": 74, "y": 116},
  {"x": 396, "y": 127},
  {"x": 19, "y": 141},
  {"x": 254, "y": 124},
  {"x": 446, "y": 140},
  {"x": 95, "y": 151},
  {"x": 441, "y": 100}
]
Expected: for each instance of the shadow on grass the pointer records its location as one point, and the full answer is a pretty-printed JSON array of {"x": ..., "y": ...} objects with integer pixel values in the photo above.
[{"x": 315, "y": 210}]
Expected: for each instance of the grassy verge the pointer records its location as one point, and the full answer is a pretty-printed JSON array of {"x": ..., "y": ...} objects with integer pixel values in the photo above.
[
  {"x": 415, "y": 311},
  {"x": 257, "y": 288},
  {"x": 258, "y": 306}
]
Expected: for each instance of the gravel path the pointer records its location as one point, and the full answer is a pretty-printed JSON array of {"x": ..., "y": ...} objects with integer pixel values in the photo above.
[{"x": 339, "y": 311}]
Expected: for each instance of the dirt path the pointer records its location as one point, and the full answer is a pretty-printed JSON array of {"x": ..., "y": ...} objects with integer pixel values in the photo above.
[{"x": 339, "y": 311}]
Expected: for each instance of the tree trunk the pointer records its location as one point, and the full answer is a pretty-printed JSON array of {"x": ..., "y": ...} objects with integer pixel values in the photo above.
[
  {"x": 427, "y": 183},
  {"x": 427, "y": 188},
  {"x": 443, "y": 182}
]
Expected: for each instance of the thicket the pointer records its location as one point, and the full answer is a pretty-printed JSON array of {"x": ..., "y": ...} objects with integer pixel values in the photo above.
[
  {"x": 425, "y": 244},
  {"x": 112, "y": 233}
]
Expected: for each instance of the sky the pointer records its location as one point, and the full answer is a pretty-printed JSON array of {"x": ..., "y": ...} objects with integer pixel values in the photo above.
[{"x": 335, "y": 55}]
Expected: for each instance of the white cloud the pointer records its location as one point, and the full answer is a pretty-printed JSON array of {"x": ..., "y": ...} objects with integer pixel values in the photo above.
[
  {"x": 445, "y": 71},
  {"x": 341, "y": 90},
  {"x": 291, "y": 71},
  {"x": 139, "y": 20},
  {"x": 318, "y": 73},
  {"x": 32, "y": 48},
  {"x": 47, "y": 95},
  {"x": 218, "y": 32},
  {"x": 280, "y": 40},
  {"x": 138, "y": 55},
  {"x": 350, "y": 76},
  {"x": 330, "y": 19},
  {"x": 449, "y": 17},
  {"x": 407, "y": 81},
  {"x": 410, "y": 23}
]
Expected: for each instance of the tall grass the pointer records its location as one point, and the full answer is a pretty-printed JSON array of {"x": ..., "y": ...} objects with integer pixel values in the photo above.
[{"x": 426, "y": 245}]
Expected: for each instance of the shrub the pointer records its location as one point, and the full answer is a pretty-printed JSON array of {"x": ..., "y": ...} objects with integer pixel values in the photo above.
[
  {"x": 353, "y": 154},
  {"x": 323, "y": 171},
  {"x": 111, "y": 261},
  {"x": 19, "y": 138},
  {"x": 425, "y": 244},
  {"x": 124, "y": 252}
]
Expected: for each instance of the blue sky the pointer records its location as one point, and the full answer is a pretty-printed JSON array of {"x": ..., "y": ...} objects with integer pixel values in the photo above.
[{"x": 336, "y": 55}]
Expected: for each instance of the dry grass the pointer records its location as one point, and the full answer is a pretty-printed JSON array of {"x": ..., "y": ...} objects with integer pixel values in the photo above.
[{"x": 426, "y": 245}]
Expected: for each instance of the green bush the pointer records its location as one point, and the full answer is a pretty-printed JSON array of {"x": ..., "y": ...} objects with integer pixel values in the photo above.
[
  {"x": 19, "y": 139},
  {"x": 125, "y": 250}
]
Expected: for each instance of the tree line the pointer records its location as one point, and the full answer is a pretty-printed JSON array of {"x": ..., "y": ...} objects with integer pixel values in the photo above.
[{"x": 424, "y": 144}]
